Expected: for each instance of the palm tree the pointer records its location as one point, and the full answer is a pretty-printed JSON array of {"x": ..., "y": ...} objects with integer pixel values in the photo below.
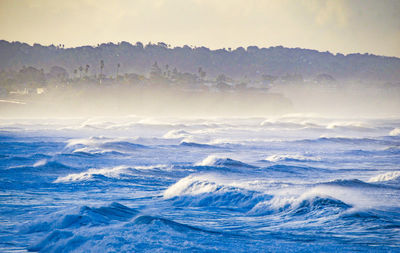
[
  {"x": 118, "y": 65},
  {"x": 167, "y": 72},
  {"x": 202, "y": 73},
  {"x": 101, "y": 69},
  {"x": 80, "y": 72},
  {"x": 87, "y": 69}
]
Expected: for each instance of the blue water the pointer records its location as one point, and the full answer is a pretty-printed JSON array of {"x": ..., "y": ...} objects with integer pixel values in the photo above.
[{"x": 135, "y": 184}]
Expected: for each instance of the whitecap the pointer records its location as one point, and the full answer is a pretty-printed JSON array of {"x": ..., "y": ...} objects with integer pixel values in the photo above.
[
  {"x": 294, "y": 157},
  {"x": 395, "y": 132},
  {"x": 389, "y": 176}
]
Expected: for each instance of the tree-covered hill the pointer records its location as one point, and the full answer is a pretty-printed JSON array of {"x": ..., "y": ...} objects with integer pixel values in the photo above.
[{"x": 250, "y": 62}]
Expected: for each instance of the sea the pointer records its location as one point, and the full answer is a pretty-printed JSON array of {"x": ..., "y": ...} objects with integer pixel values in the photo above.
[{"x": 291, "y": 183}]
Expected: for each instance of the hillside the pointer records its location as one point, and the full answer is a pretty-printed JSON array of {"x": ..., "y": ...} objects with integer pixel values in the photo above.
[{"x": 252, "y": 62}]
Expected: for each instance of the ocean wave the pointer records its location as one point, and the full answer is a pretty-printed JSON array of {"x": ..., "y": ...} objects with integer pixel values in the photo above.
[
  {"x": 372, "y": 219},
  {"x": 392, "y": 149},
  {"x": 289, "y": 123},
  {"x": 355, "y": 126},
  {"x": 118, "y": 172},
  {"x": 40, "y": 163},
  {"x": 109, "y": 228},
  {"x": 359, "y": 152},
  {"x": 91, "y": 174},
  {"x": 176, "y": 134},
  {"x": 94, "y": 152},
  {"x": 85, "y": 142},
  {"x": 213, "y": 160},
  {"x": 62, "y": 227},
  {"x": 346, "y": 140},
  {"x": 294, "y": 158},
  {"x": 102, "y": 145},
  {"x": 395, "y": 132},
  {"x": 10, "y": 160},
  {"x": 121, "y": 146},
  {"x": 389, "y": 176},
  {"x": 199, "y": 191},
  {"x": 196, "y": 145},
  {"x": 86, "y": 216},
  {"x": 305, "y": 204},
  {"x": 45, "y": 165},
  {"x": 179, "y": 227},
  {"x": 281, "y": 168},
  {"x": 349, "y": 183}
]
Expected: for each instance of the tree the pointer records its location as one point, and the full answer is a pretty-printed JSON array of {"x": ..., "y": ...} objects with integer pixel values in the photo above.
[
  {"x": 118, "y": 66},
  {"x": 58, "y": 73},
  {"x": 87, "y": 69},
  {"x": 155, "y": 72},
  {"x": 221, "y": 78},
  {"x": 202, "y": 74},
  {"x": 175, "y": 72},
  {"x": 101, "y": 70},
  {"x": 80, "y": 72}
]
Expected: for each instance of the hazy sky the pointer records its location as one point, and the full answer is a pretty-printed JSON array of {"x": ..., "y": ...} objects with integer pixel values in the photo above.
[{"x": 371, "y": 26}]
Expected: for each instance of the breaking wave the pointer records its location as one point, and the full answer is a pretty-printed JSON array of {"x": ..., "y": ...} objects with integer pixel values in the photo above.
[
  {"x": 389, "y": 176},
  {"x": 300, "y": 170},
  {"x": 395, "y": 132},
  {"x": 92, "y": 173},
  {"x": 118, "y": 172},
  {"x": 196, "y": 145},
  {"x": 214, "y": 160},
  {"x": 306, "y": 204},
  {"x": 294, "y": 158},
  {"x": 102, "y": 145},
  {"x": 199, "y": 191}
]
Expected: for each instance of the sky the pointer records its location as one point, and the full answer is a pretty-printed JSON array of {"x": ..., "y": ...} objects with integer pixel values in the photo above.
[{"x": 356, "y": 26}]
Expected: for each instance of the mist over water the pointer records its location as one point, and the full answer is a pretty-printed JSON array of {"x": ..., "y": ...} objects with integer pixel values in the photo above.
[
  {"x": 345, "y": 99},
  {"x": 147, "y": 101}
]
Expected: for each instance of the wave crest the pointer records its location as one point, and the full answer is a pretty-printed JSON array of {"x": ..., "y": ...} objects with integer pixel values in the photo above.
[
  {"x": 395, "y": 132},
  {"x": 306, "y": 204},
  {"x": 389, "y": 176},
  {"x": 294, "y": 158},
  {"x": 91, "y": 173},
  {"x": 200, "y": 191},
  {"x": 214, "y": 160}
]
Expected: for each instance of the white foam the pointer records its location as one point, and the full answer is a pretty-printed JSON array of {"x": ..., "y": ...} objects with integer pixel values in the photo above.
[
  {"x": 197, "y": 184},
  {"x": 209, "y": 160},
  {"x": 176, "y": 134},
  {"x": 190, "y": 185},
  {"x": 86, "y": 141},
  {"x": 395, "y": 132},
  {"x": 114, "y": 172},
  {"x": 88, "y": 175},
  {"x": 40, "y": 163},
  {"x": 152, "y": 167},
  {"x": 354, "y": 125},
  {"x": 278, "y": 157},
  {"x": 389, "y": 176}
]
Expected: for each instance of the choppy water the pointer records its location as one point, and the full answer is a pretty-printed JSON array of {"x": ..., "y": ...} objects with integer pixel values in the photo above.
[{"x": 231, "y": 185}]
